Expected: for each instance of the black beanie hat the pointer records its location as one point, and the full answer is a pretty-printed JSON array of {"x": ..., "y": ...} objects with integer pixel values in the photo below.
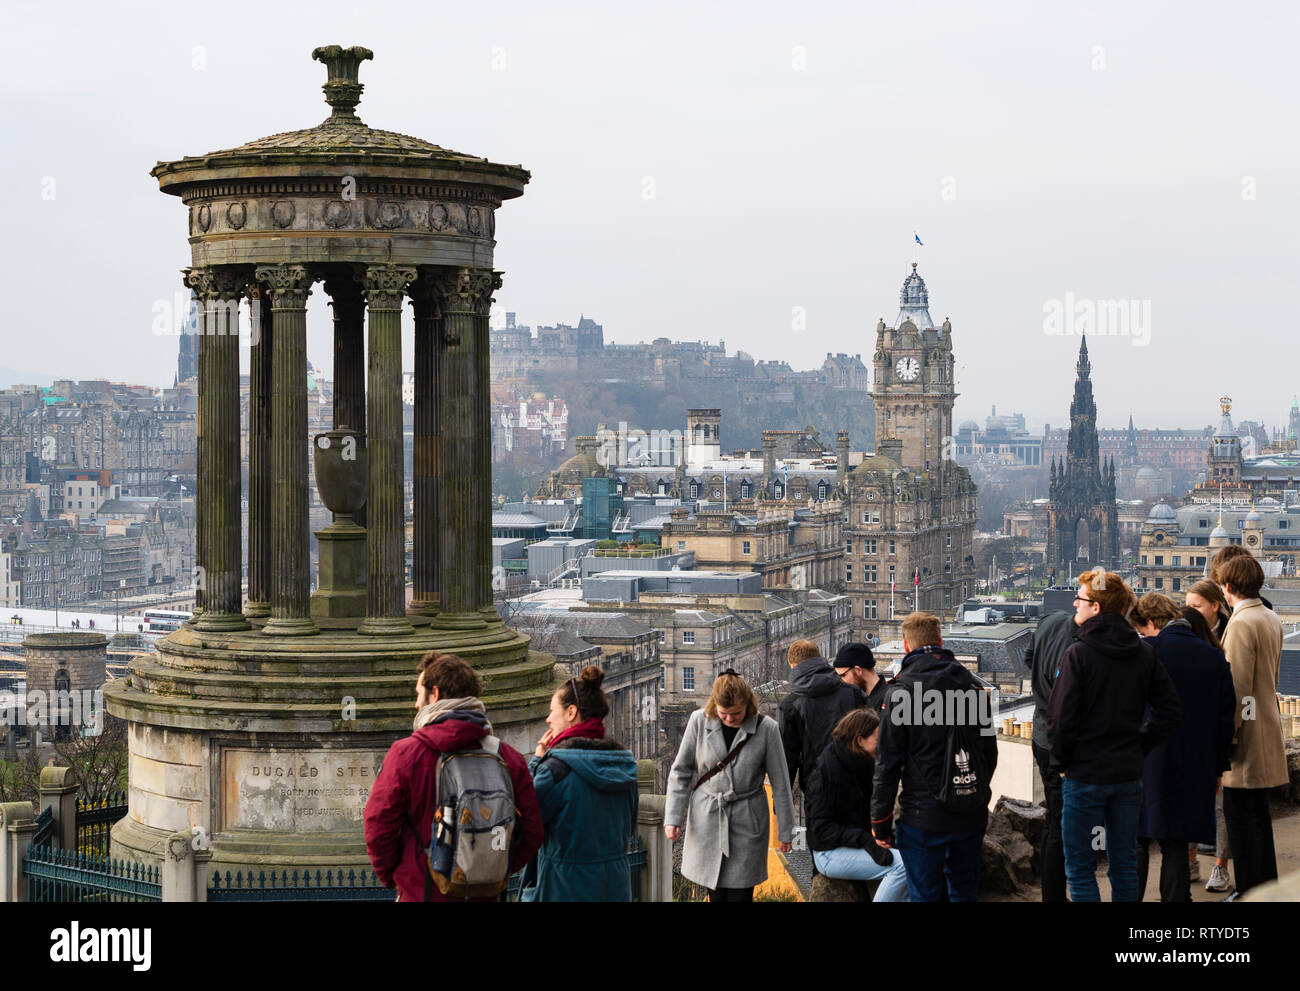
[{"x": 854, "y": 655}]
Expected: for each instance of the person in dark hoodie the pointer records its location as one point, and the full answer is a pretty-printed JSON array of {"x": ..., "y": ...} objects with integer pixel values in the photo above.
[
  {"x": 839, "y": 810},
  {"x": 1054, "y": 635},
  {"x": 1181, "y": 775},
  {"x": 1112, "y": 703},
  {"x": 586, "y": 790},
  {"x": 818, "y": 699},
  {"x": 938, "y": 739},
  {"x": 399, "y": 811}
]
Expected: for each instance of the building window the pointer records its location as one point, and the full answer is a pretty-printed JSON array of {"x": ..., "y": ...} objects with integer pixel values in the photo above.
[
  {"x": 1160, "y": 559},
  {"x": 848, "y": 547},
  {"x": 663, "y": 636},
  {"x": 1144, "y": 559},
  {"x": 947, "y": 540},
  {"x": 688, "y": 679},
  {"x": 869, "y": 573},
  {"x": 1176, "y": 584},
  {"x": 777, "y": 491},
  {"x": 1178, "y": 560},
  {"x": 661, "y": 679},
  {"x": 891, "y": 546},
  {"x": 868, "y": 608},
  {"x": 744, "y": 547},
  {"x": 688, "y": 637},
  {"x": 695, "y": 491},
  {"x": 681, "y": 546},
  {"x": 848, "y": 572},
  {"x": 1203, "y": 524},
  {"x": 744, "y": 490},
  {"x": 869, "y": 547},
  {"x": 821, "y": 491}
]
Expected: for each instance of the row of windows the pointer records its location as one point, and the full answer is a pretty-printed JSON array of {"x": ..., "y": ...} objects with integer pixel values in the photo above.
[{"x": 1177, "y": 562}]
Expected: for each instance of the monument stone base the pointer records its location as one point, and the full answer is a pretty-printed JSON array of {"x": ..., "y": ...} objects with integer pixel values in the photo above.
[{"x": 270, "y": 745}]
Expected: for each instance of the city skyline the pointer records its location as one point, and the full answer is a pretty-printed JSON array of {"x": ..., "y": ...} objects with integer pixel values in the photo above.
[{"x": 764, "y": 179}]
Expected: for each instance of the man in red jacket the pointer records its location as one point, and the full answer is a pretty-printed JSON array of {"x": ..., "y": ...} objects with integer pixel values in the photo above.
[{"x": 449, "y": 717}]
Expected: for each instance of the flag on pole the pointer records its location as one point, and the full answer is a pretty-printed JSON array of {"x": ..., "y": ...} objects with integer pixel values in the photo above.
[
  {"x": 917, "y": 238},
  {"x": 917, "y": 581}
]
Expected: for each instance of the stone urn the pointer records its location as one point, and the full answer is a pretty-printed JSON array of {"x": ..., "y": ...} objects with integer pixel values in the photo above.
[{"x": 342, "y": 470}]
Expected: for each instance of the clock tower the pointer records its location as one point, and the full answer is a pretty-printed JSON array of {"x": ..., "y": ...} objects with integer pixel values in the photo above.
[{"x": 913, "y": 390}]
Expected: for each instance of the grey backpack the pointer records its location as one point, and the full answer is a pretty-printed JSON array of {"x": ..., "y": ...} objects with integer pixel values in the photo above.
[{"x": 474, "y": 823}]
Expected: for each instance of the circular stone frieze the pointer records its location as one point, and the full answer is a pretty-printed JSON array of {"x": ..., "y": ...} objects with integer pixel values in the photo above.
[
  {"x": 438, "y": 217},
  {"x": 389, "y": 214},
  {"x": 336, "y": 213},
  {"x": 282, "y": 213},
  {"x": 473, "y": 220},
  {"x": 204, "y": 217},
  {"x": 236, "y": 214}
]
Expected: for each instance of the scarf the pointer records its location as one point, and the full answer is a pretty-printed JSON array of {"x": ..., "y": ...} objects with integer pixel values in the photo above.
[
  {"x": 593, "y": 729},
  {"x": 446, "y": 707}
]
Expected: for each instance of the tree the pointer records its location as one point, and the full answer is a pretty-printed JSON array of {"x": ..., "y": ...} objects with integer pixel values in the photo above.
[
  {"x": 99, "y": 763},
  {"x": 20, "y": 779}
]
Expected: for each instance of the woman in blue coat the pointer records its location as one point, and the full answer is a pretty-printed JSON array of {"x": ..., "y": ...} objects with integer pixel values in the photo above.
[
  {"x": 1181, "y": 775},
  {"x": 586, "y": 790}
]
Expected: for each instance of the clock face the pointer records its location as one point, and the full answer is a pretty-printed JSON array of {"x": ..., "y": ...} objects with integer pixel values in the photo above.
[
  {"x": 908, "y": 369},
  {"x": 1251, "y": 539}
]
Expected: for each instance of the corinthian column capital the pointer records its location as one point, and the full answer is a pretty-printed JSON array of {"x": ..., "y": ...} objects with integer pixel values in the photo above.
[
  {"x": 287, "y": 285},
  {"x": 468, "y": 289},
  {"x": 223, "y": 282},
  {"x": 385, "y": 285}
]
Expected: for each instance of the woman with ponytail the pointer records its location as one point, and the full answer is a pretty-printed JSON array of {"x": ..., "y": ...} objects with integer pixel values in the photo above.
[{"x": 586, "y": 789}]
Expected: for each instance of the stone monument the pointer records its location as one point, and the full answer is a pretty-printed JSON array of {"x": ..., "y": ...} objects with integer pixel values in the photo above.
[{"x": 264, "y": 718}]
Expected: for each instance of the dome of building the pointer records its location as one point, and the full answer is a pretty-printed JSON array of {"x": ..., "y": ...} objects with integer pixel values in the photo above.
[
  {"x": 1162, "y": 513},
  {"x": 1253, "y": 516},
  {"x": 914, "y": 303},
  {"x": 1147, "y": 474},
  {"x": 1217, "y": 532}
]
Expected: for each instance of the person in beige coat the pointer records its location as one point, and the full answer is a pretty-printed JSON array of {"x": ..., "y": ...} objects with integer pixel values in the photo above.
[
  {"x": 1252, "y": 642},
  {"x": 724, "y": 812}
]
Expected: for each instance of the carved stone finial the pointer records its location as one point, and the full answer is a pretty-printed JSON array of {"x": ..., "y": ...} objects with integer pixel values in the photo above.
[{"x": 342, "y": 88}]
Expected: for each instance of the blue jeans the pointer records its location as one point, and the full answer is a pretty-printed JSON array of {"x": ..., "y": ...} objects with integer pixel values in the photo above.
[
  {"x": 1100, "y": 817},
  {"x": 855, "y": 864},
  {"x": 938, "y": 860}
]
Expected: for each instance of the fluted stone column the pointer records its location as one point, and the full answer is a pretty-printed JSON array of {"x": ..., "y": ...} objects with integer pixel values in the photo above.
[
  {"x": 385, "y": 520},
  {"x": 219, "y": 289},
  {"x": 259, "y": 457},
  {"x": 289, "y": 286},
  {"x": 349, "y": 305},
  {"x": 427, "y": 303},
  {"x": 465, "y": 454}
]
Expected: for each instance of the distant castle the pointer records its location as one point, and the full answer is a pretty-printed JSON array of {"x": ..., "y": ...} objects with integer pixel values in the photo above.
[{"x": 517, "y": 353}]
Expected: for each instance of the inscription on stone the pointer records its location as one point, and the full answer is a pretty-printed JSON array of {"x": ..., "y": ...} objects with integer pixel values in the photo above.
[{"x": 296, "y": 790}]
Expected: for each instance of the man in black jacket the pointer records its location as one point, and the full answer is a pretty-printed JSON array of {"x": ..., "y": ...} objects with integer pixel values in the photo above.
[
  {"x": 817, "y": 700},
  {"x": 1053, "y": 637},
  {"x": 855, "y": 664},
  {"x": 1098, "y": 735},
  {"x": 937, "y": 737}
]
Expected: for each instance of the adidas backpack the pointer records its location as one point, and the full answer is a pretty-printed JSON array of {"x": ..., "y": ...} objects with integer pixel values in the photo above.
[{"x": 474, "y": 823}]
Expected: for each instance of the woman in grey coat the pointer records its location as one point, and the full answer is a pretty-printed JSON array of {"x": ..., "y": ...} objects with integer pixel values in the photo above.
[{"x": 724, "y": 811}]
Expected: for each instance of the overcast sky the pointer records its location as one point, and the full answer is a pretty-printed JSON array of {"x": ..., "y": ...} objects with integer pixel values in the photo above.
[{"x": 1115, "y": 152}]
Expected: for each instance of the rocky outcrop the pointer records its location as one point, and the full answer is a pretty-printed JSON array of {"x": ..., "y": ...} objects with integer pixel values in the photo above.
[{"x": 1011, "y": 844}]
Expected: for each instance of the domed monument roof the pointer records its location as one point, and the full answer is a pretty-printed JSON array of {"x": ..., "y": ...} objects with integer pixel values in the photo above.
[{"x": 340, "y": 145}]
